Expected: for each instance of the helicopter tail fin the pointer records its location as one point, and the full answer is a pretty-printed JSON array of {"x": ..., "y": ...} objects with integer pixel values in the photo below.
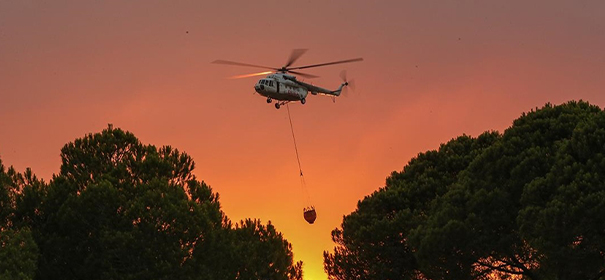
[
  {"x": 346, "y": 83},
  {"x": 339, "y": 90}
]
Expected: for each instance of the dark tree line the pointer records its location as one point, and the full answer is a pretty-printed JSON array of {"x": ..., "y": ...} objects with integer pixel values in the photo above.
[
  {"x": 525, "y": 204},
  {"x": 119, "y": 209}
]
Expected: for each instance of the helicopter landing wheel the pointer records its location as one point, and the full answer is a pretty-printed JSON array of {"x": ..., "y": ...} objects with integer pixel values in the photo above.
[
  {"x": 303, "y": 101},
  {"x": 277, "y": 105},
  {"x": 269, "y": 100}
]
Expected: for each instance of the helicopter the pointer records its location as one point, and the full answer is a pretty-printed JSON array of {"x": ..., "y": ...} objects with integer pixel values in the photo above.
[{"x": 283, "y": 87}]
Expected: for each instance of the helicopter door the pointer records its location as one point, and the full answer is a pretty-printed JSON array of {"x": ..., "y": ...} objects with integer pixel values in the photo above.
[{"x": 277, "y": 87}]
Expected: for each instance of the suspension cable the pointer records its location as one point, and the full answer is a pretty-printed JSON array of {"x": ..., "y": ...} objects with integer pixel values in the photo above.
[
  {"x": 302, "y": 177},
  {"x": 294, "y": 138}
]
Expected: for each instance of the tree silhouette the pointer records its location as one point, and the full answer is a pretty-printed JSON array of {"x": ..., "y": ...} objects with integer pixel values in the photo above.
[
  {"x": 529, "y": 203},
  {"x": 119, "y": 209},
  {"x": 18, "y": 250},
  {"x": 373, "y": 242}
]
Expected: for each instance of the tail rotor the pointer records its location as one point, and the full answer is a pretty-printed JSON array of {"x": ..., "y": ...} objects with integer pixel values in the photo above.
[{"x": 346, "y": 83}]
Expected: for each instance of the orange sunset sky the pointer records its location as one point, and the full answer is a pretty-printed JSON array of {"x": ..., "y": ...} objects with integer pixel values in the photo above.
[{"x": 432, "y": 70}]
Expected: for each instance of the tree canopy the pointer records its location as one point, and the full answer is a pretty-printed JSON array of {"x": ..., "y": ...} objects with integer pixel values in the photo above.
[
  {"x": 529, "y": 203},
  {"x": 18, "y": 250},
  {"x": 120, "y": 209}
]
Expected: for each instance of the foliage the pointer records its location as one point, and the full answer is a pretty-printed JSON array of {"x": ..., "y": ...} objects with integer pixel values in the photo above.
[
  {"x": 527, "y": 204},
  {"x": 373, "y": 242},
  {"x": 259, "y": 246},
  {"x": 18, "y": 254},
  {"x": 119, "y": 209},
  {"x": 18, "y": 250}
]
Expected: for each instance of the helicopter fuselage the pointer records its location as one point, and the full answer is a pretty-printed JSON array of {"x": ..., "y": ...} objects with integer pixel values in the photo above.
[
  {"x": 285, "y": 88},
  {"x": 278, "y": 87}
]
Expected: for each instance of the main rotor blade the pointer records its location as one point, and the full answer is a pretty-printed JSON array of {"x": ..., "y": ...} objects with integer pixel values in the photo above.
[
  {"x": 227, "y": 62},
  {"x": 251, "y": 75},
  {"x": 296, "y": 53},
  {"x": 308, "y": 76},
  {"x": 329, "y": 63}
]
